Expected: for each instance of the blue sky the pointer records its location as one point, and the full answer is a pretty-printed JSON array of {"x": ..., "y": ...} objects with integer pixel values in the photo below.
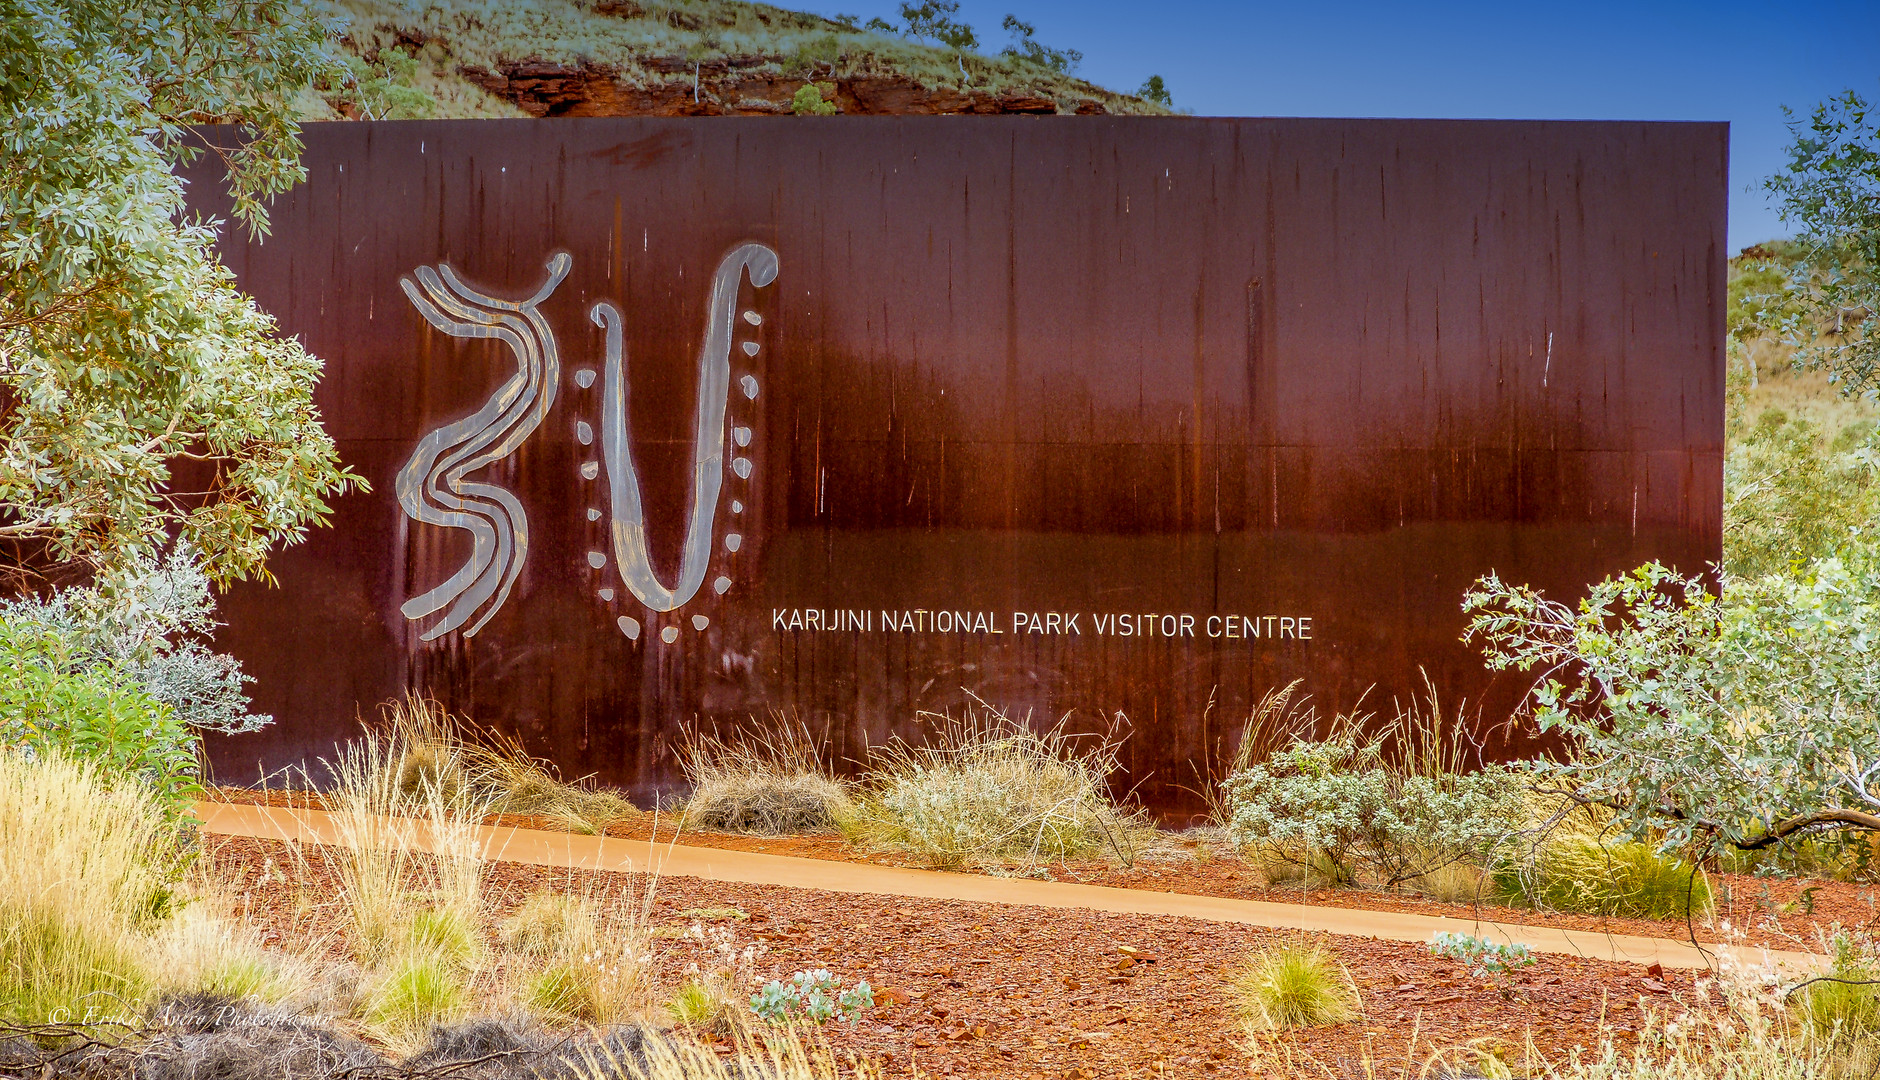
[{"x": 1729, "y": 60}]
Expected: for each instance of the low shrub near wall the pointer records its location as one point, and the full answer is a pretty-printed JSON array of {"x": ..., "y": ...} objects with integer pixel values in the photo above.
[
  {"x": 771, "y": 781},
  {"x": 1341, "y": 808},
  {"x": 988, "y": 788},
  {"x": 98, "y": 714}
]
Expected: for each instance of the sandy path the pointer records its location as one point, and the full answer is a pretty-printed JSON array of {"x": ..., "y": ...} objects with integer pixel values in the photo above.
[{"x": 717, "y": 864}]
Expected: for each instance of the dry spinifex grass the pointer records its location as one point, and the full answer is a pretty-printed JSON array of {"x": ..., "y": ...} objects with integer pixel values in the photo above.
[
  {"x": 424, "y": 749},
  {"x": 770, "y": 780},
  {"x": 984, "y": 787}
]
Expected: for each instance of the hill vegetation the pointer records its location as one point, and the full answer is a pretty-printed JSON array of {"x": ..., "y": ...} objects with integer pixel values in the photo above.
[{"x": 480, "y": 58}]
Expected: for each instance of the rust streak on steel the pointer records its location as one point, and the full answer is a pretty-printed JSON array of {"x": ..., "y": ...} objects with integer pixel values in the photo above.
[{"x": 1320, "y": 370}]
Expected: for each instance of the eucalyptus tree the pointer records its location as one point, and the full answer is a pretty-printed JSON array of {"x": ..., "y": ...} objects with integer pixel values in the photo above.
[
  {"x": 126, "y": 348},
  {"x": 1830, "y": 191}
]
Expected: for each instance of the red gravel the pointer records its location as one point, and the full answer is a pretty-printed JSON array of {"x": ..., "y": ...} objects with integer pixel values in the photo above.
[{"x": 1010, "y": 992}]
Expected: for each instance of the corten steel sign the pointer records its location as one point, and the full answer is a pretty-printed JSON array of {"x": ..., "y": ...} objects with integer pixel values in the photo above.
[{"x": 674, "y": 421}]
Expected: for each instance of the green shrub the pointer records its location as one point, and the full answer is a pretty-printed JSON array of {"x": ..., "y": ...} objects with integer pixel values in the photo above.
[
  {"x": 52, "y": 704},
  {"x": 1338, "y": 803},
  {"x": 1272, "y": 725},
  {"x": 1292, "y": 987},
  {"x": 149, "y": 619},
  {"x": 987, "y": 788},
  {"x": 809, "y": 101},
  {"x": 812, "y": 996},
  {"x": 1573, "y": 871},
  {"x": 120, "y": 673},
  {"x": 1706, "y": 721},
  {"x": 1485, "y": 959},
  {"x": 1795, "y": 493}
]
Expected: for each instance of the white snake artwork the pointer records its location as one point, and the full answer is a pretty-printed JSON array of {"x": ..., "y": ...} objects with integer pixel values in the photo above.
[{"x": 433, "y": 487}]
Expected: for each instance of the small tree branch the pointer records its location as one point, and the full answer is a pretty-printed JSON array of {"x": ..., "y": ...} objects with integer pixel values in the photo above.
[
  {"x": 1831, "y": 817},
  {"x": 1834, "y": 816}
]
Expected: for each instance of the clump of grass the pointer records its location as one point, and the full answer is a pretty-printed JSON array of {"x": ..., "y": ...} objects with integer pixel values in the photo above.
[
  {"x": 601, "y": 987},
  {"x": 202, "y": 951},
  {"x": 1731, "y": 1028},
  {"x": 519, "y": 783},
  {"x": 413, "y": 915},
  {"x": 1747, "y": 1036},
  {"x": 1453, "y": 883},
  {"x": 590, "y": 959},
  {"x": 1843, "y": 1007},
  {"x": 416, "y": 991},
  {"x": 443, "y": 931},
  {"x": 386, "y": 798},
  {"x": 774, "y": 1054},
  {"x": 588, "y": 988},
  {"x": 771, "y": 781},
  {"x": 1576, "y": 868},
  {"x": 700, "y": 1005},
  {"x": 565, "y": 988},
  {"x": 550, "y": 923},
  {"x": 87, "y": 867},
  {"x": 1292, "y": 986},
  {"x": 428, "y": 754},
  {"x": 990, "y": 789},
  {"x": 716, "y": 997}
]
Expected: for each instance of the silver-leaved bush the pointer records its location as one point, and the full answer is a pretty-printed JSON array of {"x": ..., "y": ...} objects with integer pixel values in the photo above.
[{"x": 149, "y": 619}]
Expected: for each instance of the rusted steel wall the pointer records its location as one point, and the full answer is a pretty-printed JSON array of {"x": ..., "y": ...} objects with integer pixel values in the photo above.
[{"x": 769, "y": 396}]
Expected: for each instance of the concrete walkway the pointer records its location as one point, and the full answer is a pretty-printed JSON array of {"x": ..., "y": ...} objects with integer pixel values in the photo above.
[{"x": 537, "y": 848}]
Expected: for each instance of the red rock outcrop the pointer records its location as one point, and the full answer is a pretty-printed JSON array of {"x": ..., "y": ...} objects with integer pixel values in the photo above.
[{"x": 725, "y": 87}]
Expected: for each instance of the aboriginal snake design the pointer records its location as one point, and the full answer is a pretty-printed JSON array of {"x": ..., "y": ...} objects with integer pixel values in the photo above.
[{"x": 433, "y": 489}]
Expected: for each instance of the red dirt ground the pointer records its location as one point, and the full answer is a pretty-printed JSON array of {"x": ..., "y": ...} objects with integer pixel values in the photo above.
[{"x": 1014, "y": 992}]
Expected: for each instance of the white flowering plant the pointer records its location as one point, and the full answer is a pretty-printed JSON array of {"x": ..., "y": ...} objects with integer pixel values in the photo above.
[
  {"x": 715, "y": 984},
  {"x": 151, "y": 620}
]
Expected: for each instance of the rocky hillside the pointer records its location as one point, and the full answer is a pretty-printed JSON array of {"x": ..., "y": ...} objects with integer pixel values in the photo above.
[{"x": 456, "y": 58}]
